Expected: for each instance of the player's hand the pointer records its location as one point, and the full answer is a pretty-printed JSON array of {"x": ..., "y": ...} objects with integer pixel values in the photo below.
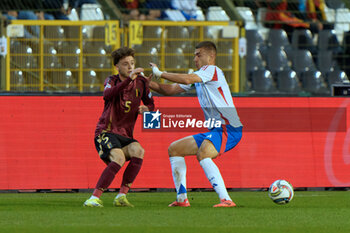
[
  {"x": 143, "y": 108},
  {"x": 156, "y": 72},
  {"x": 136, "y": 72}
]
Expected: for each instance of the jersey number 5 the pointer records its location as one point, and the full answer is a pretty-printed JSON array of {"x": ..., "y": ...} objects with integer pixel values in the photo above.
[{"x": 127, "y": 105}]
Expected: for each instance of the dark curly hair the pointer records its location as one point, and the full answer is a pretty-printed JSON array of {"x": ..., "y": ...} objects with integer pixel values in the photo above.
[{"x": 121, "y": 53}]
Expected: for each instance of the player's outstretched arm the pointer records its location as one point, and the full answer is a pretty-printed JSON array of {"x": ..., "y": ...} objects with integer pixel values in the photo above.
[
  {"x": 175, "y": 77},
  {"x": 166, "y": 89}
]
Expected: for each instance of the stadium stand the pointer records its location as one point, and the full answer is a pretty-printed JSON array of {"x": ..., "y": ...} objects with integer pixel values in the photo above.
[{"x": 318, "y": 60}]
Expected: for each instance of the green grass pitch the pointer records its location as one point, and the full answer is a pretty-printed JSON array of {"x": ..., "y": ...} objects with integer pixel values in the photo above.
[{"x": 63, "y": 212}]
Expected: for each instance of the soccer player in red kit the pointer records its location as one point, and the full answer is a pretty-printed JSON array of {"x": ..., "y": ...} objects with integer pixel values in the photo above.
[{"x": 114, "y": 132}]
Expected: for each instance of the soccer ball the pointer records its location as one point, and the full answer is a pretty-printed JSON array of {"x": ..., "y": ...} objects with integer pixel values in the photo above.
[{"x": 281, "y": 192}]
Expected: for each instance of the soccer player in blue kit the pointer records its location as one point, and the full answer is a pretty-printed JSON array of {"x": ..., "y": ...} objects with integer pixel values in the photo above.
[{"x": 216, "y": 101}]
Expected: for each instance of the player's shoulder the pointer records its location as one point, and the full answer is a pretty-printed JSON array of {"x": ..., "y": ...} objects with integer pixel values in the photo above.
[
  {"x": 209, "y": 68},
  {"x": 110, "y": 78}
]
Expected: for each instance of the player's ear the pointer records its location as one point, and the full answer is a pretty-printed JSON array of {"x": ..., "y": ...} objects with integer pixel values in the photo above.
[{"x": 116, "y": 67}]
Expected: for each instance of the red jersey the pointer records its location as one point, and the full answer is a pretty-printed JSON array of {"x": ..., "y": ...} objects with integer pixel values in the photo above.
[
  {"x": 277, "y": 14},
  {"x": 122, "y": 101}
]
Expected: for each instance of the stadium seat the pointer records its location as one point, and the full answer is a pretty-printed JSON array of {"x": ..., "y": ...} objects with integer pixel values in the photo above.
[
  {"x": 62, "y": 81},
  {"x": 56, "y": 35},
  {"x": 91, "y": 82},
  {"x": 335, "y": 4},
  {"x": 73, "y": 16},
  {"x": 71, "y": 60},
  {"x": 72, "y": 32},
  {"x": 248, "y": 17},
  {"x": 255, "y": 41},
  {"x": 225, "y": 54},
  {"x": 327, "y": 40},
  {"x": 330, "y": 69},
  {"x": 277, "y": 38},
  {"x": 216, "y": 13},
  {"x": 288, "y": 82},
  {"x": 262, "y": 81},
  {"x": 313, "y": 82},
  {"x": 311, "y": 78},
  {"x": 302, "y": 39},
  {"x": 254, "y": 62},
  {"x": 224, "y": 46},
  {"x": 174, "y": 15},
  {"x": 97, "y": 58},
  {"x": 17, "y": 78},
  {"x": 152, "y": 32},
  {"x": 337, "y": 77},
  {"x": 98, "y": 32},
  {"x": 330, "y": 14},
  {"x": 178, "y": 37},
  {"x": 326, "y": 62},
  {"x": 342, "y": 21},
  {"x": 346, "y": 42},
  {"x": 212, "y": 32},
  {"x": 51, "y": 60},
  {"x": 260, "y": 19},
  {"x": 344, "y": 60},
  {"x": 54, "y": 32},
  {"x": 146, "y": 54},
  {"x": 200, "y": 14},
  {"x": 175, "y": 59},
  {"x": 98, "y": 37},
  {"x": 277, "y": 60},
  {"x": 91, "y": 12},
  {"x": 177, "y": 32},
  {"x": 25, "y": 61},
  {"x": 69, "y": 82},
  {"x": 302, "y": 61},
  {"x": 148, "y": 46}
]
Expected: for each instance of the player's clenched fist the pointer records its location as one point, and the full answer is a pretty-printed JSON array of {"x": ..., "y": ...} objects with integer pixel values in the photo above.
[
  {"x": 142, "y": 109},
  {"x": 136, "y": 72},
  {"x": 155, "y": 70}
]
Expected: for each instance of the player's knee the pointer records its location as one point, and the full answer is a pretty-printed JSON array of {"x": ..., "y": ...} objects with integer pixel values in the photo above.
[
  {"x": 117, "y": 158},
  {"x": 140, "y": 153},
  {"x": 172, "y": 150},
  {"x": 200, "y": 157},
  {"x": 137, "y": 152}
]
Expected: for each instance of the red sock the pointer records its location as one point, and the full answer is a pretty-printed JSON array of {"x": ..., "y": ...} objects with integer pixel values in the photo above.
[
  {"x": 106, "y": 178},
  {"x": 130, "y": 174}
]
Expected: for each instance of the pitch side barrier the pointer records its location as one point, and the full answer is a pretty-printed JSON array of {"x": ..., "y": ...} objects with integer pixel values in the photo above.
[
  {"x": 47, "y": 142},
  {"x": 74, "y": 56}
]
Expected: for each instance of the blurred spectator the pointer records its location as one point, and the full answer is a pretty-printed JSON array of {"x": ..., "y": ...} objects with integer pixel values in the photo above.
[
  {"x": 79, "y": 3},
  {"x": 314, "y": 11},
  {"x": 13, "y": 10},
  {"x": 141, "y": 9},
  {"x": 187, "y": 7},
  {"x": 278, "y": 16},
  {"x": 26, "y": 15},
  {"x": 156, "y": 8},
  {"x": 54, "y": 9}
]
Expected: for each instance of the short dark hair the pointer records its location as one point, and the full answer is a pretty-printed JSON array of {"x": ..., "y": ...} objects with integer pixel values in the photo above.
[
  {"x": 121, "y": 53},
  {"x": 207, "y": 45}
]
